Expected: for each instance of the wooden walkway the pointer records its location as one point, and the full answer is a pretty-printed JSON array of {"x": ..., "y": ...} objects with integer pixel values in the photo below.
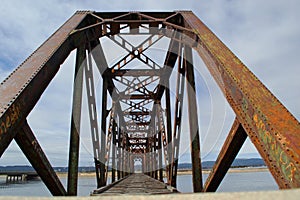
[{"x": 135, "y": 184}]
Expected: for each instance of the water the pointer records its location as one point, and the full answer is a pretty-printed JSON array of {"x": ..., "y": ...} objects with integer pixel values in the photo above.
[{"x": 233, "y": 182}]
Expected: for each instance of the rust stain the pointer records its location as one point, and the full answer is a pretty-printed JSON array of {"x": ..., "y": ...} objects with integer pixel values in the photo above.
[{"x": 273, "y": 130}]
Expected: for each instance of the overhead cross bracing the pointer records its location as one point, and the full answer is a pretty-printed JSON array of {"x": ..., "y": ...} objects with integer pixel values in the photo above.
[{"x": 137, "y": 121}]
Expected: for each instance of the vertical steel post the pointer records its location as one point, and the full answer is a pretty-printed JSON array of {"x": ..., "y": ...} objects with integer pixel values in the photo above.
[
  {"x": 91, "y": 98},
  {"x": 103, "y": 131},
  {"x": 75, "y": 123},
  {"x": 156, "y": 157},
  {"x": 147, "y": 158},
  {"x": 158, "y": 132},
  {"x": 160, "y": 157},
  {"x": 123, "y": 159},
  {"x": 118, "y": 142},
  {"x": 169, "y": 130},
  {"x": 132, "y": 164},
  {"x": 144, "y": 164},
  {"x": 177, "y": 116},
  {"x": 127, "y": 158},
  {"x": 193, "y": 120},
  {"x": 113, "y": 152},
  {"x": 153, "y": 156},
  {"x": 121, "y": 148}
]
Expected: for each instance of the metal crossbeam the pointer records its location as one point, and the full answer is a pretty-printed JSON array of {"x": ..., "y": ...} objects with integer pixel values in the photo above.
[
  {"x": 138, "y": 127},
  {"x": 233, "y": 143}
]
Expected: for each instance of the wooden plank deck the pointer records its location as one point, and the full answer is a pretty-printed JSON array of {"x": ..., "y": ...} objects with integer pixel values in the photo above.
[{"x": 140, "y": 184}]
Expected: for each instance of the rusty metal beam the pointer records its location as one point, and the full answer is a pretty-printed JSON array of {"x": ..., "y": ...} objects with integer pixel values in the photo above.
[
  {"x": 137, "y": 138},
  {"x": 137, "y": 113},
  {"x": 169, "y": 64},
  {"x": 193, "y": 120},
  {"x": 180, "y": 85},
  {"x": 168, "y": 132},
  {"x": 75, "y": 123},
  {"x": 92, "y": 110},
  {"x": 113, "y": 152},
  {"x": 147, "y": 15},
  {"x": 118, "y": 144},
  {"x": 34, "y": 153},
  {"x": 100, "y": 60},
  {"x": 274, "y": 131},
  {"x": 137, "y": 105},
  {"x": 233, "y": 143},
  {"x": 138, "y": 144},
  {"x": 138, "y": 86},
  {"x": 139, "y": 123},
  {"x": 108, "y": 86},
  {"x": 109, "y": 136},
  {"x": 160, "y": 163},
  {"x": 103, "y": 132},
  {"x": 136, "y": 96},
  {"x": 23, "y": 88},
  {"x": 136, "y": 51},
  {"x": 136, "y": 72}
]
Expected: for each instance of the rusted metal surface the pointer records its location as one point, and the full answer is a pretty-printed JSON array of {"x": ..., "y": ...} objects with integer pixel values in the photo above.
[
  {"x": 34, "y": 153},
  {"x": 139, "y": 128},
  {"x": 193, "y": 120},
  {"x": 75, "y": 123},
  {"x": 93, "y": 117},
  {"x": 20, "y": 91},
  {"x": 270, "y": 126},
  {"x": 233, "y": 143},
  {"x": 180, "y": 83},
  {"x": 102, "y": 181},
  {"x": 114, "y": 141}
]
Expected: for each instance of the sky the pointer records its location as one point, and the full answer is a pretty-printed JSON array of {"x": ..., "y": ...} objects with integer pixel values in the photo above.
[{"x": 265, "y": 35}]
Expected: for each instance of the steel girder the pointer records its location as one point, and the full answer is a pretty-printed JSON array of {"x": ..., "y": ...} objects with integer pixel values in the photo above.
[
  {"x": 274, "y": 131},
  {"x": 259, "y": 115},
  {"x": 21, "y": 90}
]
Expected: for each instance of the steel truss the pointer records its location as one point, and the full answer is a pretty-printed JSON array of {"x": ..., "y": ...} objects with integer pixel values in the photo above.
[{"x": 139, "y": 128}]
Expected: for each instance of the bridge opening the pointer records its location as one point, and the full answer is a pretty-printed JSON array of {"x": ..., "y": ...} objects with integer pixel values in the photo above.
[{"x": 138, "y": 165}]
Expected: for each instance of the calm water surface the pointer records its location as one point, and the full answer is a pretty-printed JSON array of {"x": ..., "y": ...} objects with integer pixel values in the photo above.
[{"x": 233, "y": 182}]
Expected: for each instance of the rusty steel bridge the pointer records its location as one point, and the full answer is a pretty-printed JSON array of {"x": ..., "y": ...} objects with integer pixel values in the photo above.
[{"x": 136, "y": 121}]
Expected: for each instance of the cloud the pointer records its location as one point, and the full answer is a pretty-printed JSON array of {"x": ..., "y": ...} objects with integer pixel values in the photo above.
[{"x": 264, "y": 34}]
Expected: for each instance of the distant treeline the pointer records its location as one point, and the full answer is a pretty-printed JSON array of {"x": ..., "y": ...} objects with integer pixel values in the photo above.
[{"x": 251, "y": 162}]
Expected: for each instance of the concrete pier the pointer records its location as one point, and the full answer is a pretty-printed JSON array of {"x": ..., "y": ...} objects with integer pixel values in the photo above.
[{"x": 13, "y": 177}]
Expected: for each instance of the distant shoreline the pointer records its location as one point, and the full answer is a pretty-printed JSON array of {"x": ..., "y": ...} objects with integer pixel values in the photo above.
[
  {"x": 231, "y": 170},
  {"x": 181, "y": 172}
]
